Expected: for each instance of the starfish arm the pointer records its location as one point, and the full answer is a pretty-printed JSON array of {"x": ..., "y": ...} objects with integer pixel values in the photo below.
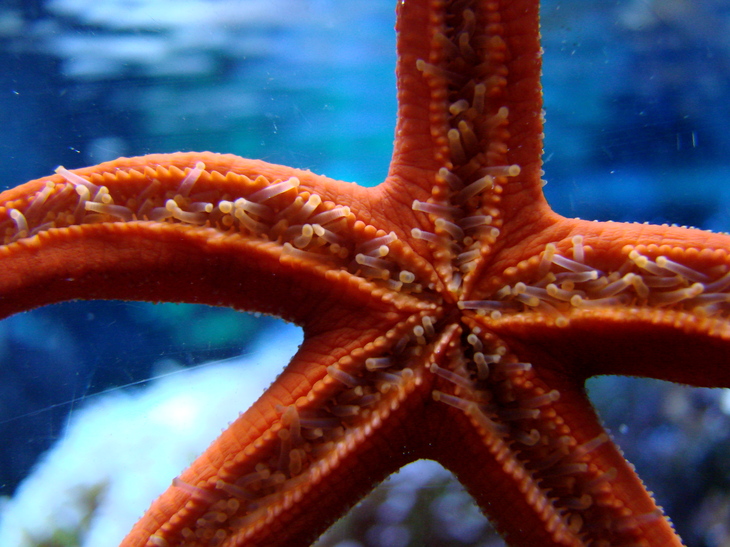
[
  {"x": 535, "y": 456},
  {"x": 663, "y": 292},
  {"x": 317, "y": 441},
  {"x": 202, "y": 228},
  {"x": 347, "y": 411},
  {"x": 469, "y": 133},
  {"x": 578, "y": 299},
  {"x": 568, "y": 488},
  {"x": 225, "y": 231},
  {"x": 474, "y": 71}
]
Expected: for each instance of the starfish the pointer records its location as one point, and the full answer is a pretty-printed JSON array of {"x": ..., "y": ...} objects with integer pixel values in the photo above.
[{"x": 448, "y": 313}]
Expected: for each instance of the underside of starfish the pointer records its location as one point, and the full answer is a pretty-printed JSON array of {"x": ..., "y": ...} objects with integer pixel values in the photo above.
[{"x": 448, "y": 313}]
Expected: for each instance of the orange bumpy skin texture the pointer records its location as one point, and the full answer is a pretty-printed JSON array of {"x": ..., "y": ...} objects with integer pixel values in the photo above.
[{"x": 448, "y": 307}]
